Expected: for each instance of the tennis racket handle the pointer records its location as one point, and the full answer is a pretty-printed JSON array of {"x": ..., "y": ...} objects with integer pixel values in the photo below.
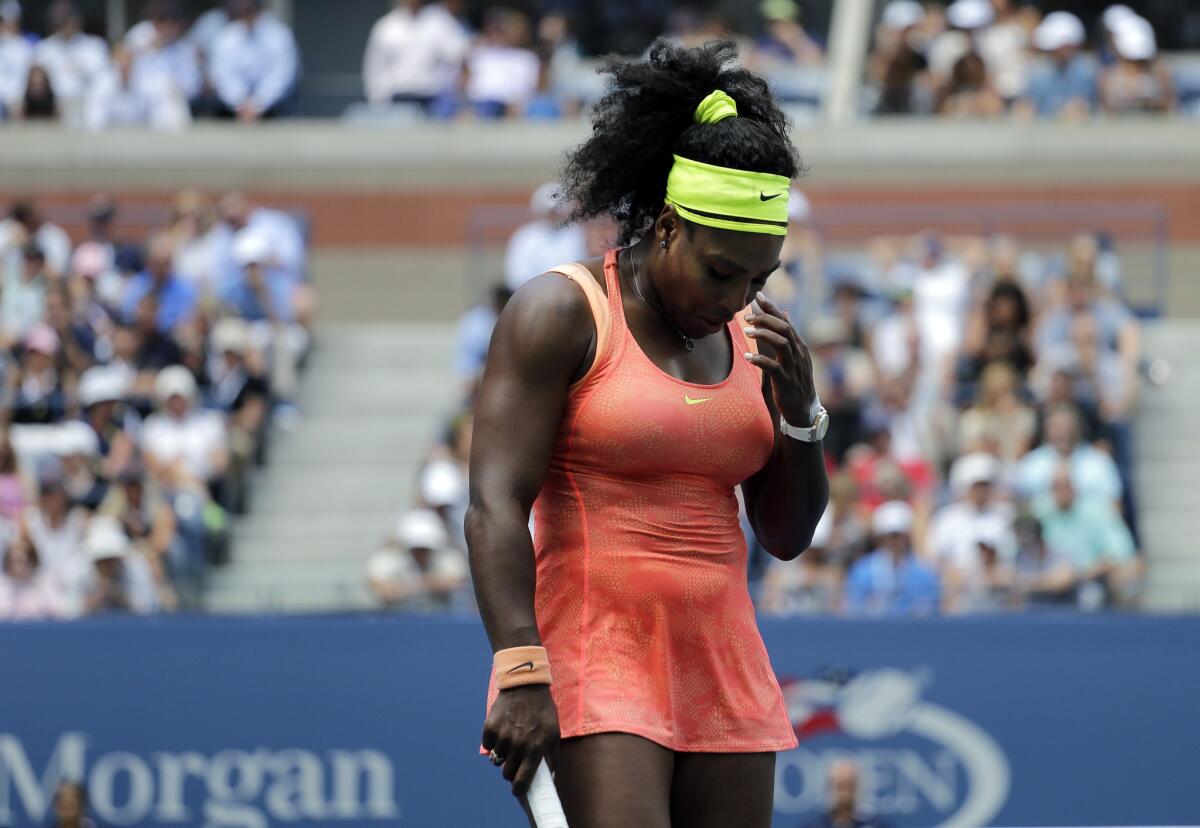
[{"x": 543, "y": 800}]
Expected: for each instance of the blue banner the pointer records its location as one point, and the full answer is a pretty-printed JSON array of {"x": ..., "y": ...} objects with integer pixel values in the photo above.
[{"x": 351, "y": 721}]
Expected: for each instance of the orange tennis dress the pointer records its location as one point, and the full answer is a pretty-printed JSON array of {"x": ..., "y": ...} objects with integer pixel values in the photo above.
[{"x": 641, "y": 595}]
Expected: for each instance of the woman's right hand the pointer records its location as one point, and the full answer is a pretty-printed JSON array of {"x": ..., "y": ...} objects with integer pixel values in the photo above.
[{"x": 522, "y": 727}]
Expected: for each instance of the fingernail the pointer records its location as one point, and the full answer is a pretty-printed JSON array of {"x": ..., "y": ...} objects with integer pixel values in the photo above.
[
  {"x": 750, "y": 331},
  {"x": 762, "y": 297},
  {"x": 747, "y": 355},
  {"x": 749, "y": 317}
]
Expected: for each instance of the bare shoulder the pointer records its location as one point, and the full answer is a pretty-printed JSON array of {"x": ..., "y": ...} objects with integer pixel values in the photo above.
[{"x": 546, "y": 326}]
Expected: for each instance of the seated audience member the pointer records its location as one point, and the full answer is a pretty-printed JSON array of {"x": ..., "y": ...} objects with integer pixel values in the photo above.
[
  {"x": 253, "y": 63},
  {"x": 71, "y": 806},
  {"x": 73, "y": 59},
  {"x": 149, "y": 522},
  {"x": 78, "y": 451},
  {"x": 16, "y": 59},
  {"x": 26, "y": 224},
  {"x": 120, "y": 580},
  {"x": 1063, "y": 84},
  {"x": 1044, "y": 577},
  {"x": 974, "y": 481},
  {"x": 475, "y": 334},
  {"x": 23, "y": 297},
  {"x": 898, "y": 66},
  {"x": 418, "y": 569},
  {"x": 844, "y": 373},
  {"x": 968, "y": 93},
  {"x": 125, "y": 98},
  {"x": 237, "y": 386},
  {"x": 1090, "y": 534},
  {"x": 285, "y": 242},
  {"x": 1138, "y": 82},
  {"x": 784, "y": 39},
  {"x": 162, "y": 52},
  {"x": 76, "y": 337},
  {"x": 414, "y": 54},
  {"x": 999, "y": 422},
  {"x": 544, "y": 242},
  {"x": 1004, "y": 47},
  {"x": 39, "y": 102},
  {"x": 1093, "y": 473},
  {"x": 28, "y": 590},
  {"x": 842, "y": 809},
  {"x": 12, "y": 485},
  {"x": 502, "y": 71},
  {"x": 56, "y": 528},
  {"x": 176, "y": 300},
  {"x": 37, "y": 394},
  {"x": 101, "y": 395},
  {"x": 808, "y": 585},
  {"x": 892, "y": 580},
  {"x": 186, "y": 448},
  {"x": 966, "y": 18}
]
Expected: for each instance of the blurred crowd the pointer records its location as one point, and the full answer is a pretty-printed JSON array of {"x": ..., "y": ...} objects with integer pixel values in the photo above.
[
  {"x": 138, "y": 379},
  {"x": 981, "y": 397},
  {"x": 993, "y": 58},
  {"x": 433, "y": 59}
]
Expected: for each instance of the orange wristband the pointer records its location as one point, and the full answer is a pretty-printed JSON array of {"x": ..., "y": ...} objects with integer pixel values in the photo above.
[{"x": 518, "y": 666}]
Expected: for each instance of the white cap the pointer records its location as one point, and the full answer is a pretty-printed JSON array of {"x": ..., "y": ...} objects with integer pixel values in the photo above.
[
  {"x": 230, "y": 334},
  {"x": 102, "y": 384},
  {"x": 1059, "y": 29},
  {"x": 970, "y": 14},
  {"x": 893, "y": 517},
  {"x": 105, "y": 539},
  {"x": 799, "y": 207},
  {"x": 442, "y": 484},
  {"x": 1134, "y": 39},
  {"x": 10, "y": 10},
  {"x": 421, "y": 529},
  {"x": 174, "y": 380},
  {"x": 545, "y": 198},
  {"x": 76, "y": 438},
  {"x": 1115, "y": 13},
  {"x": 251, "y": 246},
  {"x": 824, "y": 531},
  {"x": 900, "y": 14},
  {"x": 978, "y": 467}
]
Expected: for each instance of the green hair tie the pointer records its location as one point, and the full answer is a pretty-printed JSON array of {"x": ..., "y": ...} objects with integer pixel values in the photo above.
[{"x": 716, "y": 106}]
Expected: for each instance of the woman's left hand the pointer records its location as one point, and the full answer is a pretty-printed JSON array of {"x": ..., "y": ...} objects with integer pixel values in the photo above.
[{"x": 785, "y": 359}]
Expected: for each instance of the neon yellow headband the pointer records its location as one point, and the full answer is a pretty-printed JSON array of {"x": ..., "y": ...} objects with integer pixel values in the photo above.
[{"x": 723, "y": 197}]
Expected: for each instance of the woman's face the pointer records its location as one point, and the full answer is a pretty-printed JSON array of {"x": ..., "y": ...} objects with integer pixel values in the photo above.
[
  {"x": 707, "y": 275},
  {"x": 19, "y": 562}
]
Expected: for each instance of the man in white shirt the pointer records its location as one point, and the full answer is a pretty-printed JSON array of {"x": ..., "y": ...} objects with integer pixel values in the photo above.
[
  {"x": 253, "y": 63},
  {"x": 72, "y": 58},
  {"x": 544, "y": 242},
  {"x": 25, "y": 224},
  {"x": 16, "y": 56},
  {"x": 238, "y": 213},
  {"x": 123, "y": 97},
  {"x": 185, "y": 448},
  {"x": 162, "y": 53},
  {"x": 417, "y": 569},
  {"x": 414, "y": 53}
]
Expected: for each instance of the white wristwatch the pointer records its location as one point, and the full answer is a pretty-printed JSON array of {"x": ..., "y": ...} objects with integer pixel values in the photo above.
[{"x": 813, "y": 434}]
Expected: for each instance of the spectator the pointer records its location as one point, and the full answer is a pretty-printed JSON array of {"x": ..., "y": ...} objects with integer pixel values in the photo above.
[
  {"x": 102, "y": 392},
  {"x": 807, "y": 585},
  {"x": 843, "y": 808},
  {"x": 27, "y": 590},
  {"x": 783, "y": 38},
  {"x": 37, "y": 393},
  {"x": 285, "y": 242},
  {"x": 164, "y": 58},
  {"x": 965, "y": 18},
  {"x": 175, "y": 300},
  {"x": 417, "y": 569},
  {"x": 120, "y": 579},
  {"x": 543, "y": 243},
  {"x": 475, "y": 334},
  {"x": 12, "y": 486},
  {"x": 238, "y": 387},
  {"x": 38, "y": 103},
  {"x": 844, "y": 374},
  {"x": 149, "y": 522},
  {"x": 443, "y": 485},
  {"x": 125, "y": 98},
  {"x": 941, "y": 292},
  {"x": 56, "y": 528},
  {"x": 896, "y": 338},
  {"x": 16, "y": 58},
  {"x": 1138, "y": 83},
  {"x": 999, "y": 422},
  {"x": 70, "y": 806},
  {"x": 1090, "y": 534},
  {"x": 1063, "y": 85},
  {"x": 502, "y": 72},
  {"x": 1004, "y": 48},
  {"x": 78, "y": 450},
  {"x": 76, "y": 337},
  {"x": 253, "y": 64},
  {"x": 1093, "y": 473},
  {"x": 414, "y": 54},
  {"x": 196, "y": 238},
  {"x": 971, "y": 538},
  {"x": 999, "y": 330},
  {"x": 186, "y": 449},
  {"x": 26, "y": 224},
  {"x": 23, "y": 299},
  {"x": 969, "y": 93},
  {"x": 73, "y": 60},
  {"x": 897, "y": 66},
  {"x": 1043, "y": 576},
  {"x": 891, "y": 580},
  {"x": 95, "y": 286}
]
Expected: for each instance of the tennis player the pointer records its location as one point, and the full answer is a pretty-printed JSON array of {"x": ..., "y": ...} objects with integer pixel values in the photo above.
[{"x": 625, "y": 399}]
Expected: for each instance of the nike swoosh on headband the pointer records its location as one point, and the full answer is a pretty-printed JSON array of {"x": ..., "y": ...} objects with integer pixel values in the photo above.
[{"x": 764, "y": 197}]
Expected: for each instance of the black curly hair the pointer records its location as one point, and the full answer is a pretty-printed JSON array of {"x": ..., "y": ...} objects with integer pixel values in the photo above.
[{"x": 647, "y": 115}]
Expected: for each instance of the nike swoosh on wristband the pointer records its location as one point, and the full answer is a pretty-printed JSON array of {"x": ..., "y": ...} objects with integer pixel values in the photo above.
[
  {"x": 764, "y": 197},
  {"x": 690, "y": 401},
  {"x": 528, "y": 664}
]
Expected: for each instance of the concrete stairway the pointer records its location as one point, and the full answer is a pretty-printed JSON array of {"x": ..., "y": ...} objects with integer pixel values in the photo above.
[
  {"x": 371, "y": 401},
  {"x": 1168, "y": 469}
]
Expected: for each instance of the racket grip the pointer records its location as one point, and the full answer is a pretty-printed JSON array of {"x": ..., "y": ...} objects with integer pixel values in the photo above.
[{"x": 543, "y": 800}]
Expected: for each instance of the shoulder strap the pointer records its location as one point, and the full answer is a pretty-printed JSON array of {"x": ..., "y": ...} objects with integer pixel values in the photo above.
[{"x": 598, "y": 302}]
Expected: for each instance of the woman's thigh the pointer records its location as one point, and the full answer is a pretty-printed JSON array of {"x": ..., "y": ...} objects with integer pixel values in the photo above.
[
  {"x": 717, "y": 790},
  {"x": 614, "y": 780}
]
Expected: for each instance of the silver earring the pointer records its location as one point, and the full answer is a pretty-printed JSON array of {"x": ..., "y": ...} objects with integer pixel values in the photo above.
[{"x": 663, "y": 244}]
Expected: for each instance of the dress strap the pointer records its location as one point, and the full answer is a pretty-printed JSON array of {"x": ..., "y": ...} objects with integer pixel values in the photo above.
[{"x": 601, "y": 310}]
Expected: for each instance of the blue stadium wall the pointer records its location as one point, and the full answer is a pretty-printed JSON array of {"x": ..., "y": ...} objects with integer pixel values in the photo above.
[{"x": 361, "y": 721}]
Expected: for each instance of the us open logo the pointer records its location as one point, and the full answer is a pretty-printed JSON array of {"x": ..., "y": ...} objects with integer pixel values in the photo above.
[{"x": 919, "y": 762}]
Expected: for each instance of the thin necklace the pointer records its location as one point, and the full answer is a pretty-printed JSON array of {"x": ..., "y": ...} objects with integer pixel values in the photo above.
[{"x": 688, "y": 342}]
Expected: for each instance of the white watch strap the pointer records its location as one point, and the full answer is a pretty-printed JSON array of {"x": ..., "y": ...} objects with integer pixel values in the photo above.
[{"x": 805, "y": 435}]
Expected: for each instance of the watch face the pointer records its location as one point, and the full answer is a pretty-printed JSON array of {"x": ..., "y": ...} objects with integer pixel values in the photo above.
[{"x": 822, "y": 424}]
